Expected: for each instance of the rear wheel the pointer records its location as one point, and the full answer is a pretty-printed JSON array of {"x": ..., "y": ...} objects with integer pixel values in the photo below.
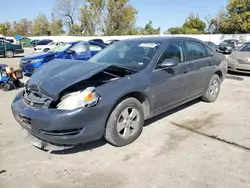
[
  {"x": 9, "y": 53},
  {"x": 213, "y": 89},
  {"x": 125, "y": 123},
  {"x": 5, "y": 86}
]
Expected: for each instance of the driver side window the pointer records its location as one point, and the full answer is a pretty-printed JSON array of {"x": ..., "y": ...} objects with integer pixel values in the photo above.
[{"x": 173, "y": 51}]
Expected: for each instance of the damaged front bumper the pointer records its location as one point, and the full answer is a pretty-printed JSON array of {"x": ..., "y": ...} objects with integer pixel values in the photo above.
[{"x": 59, "y": 129}]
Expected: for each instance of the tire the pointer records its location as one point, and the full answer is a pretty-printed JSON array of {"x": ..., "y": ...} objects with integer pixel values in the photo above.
[
  {"x": 46, "y": 49},
  {"x": 5, "y": 87},
  {"x": 114, "y": 133},
  {"x": 213, "y": 89},
  {"x": 9, "y": 54}
]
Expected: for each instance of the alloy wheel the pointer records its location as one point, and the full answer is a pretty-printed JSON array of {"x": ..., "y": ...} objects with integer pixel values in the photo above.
[{"x": 128, "y": 122}]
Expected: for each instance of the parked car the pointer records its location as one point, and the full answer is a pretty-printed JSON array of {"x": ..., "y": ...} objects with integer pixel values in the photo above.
[
  {"x": 69, "y": 102},
  {"x": 41, "y": 43},
  {"x": 212, "y": 45},
  {"x": 10, "y": 50},
  {"x": 228, "y": 46},
  {"x": 10, "y": 40},
  {"x": 97, "y": 40},
  {"x": 239, "y": 61},
  {"x": 47, "y": 47},
  {"x": 34, "y": 42},
  {"x": 73, "y": 50}
]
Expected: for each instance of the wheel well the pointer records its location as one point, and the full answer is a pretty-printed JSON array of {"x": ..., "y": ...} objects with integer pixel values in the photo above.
[
  {"x": 219, "y": 73},
  {"x": 9, "y": 50},
  {"x": 140, "y": 97}
]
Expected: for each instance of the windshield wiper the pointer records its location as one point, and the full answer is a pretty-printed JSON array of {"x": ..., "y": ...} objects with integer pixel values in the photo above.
[{"x": 125, "y": 68}]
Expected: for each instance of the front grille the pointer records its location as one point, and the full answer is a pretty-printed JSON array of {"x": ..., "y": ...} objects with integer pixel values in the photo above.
[
  {"x": 69, "y": 132},
  {"x": 35, "y": 98},
  {"x": 243, "y": 70}
]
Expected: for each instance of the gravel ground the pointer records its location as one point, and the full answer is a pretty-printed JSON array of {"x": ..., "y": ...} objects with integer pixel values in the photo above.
[{"x": 196, "y": 145}]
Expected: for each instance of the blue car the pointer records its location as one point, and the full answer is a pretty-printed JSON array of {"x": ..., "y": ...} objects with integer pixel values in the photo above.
[{"x": 73, "y": 50}]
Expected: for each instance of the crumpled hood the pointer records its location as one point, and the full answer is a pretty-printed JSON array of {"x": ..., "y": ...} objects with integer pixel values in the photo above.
[
  {"x": 38, "y": 55},
  {"x": 59, "y": 74},
  {"x": 240, "y": 55}
]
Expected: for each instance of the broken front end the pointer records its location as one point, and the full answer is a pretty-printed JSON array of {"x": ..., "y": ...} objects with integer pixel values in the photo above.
[{"x": 55, "y": 119}]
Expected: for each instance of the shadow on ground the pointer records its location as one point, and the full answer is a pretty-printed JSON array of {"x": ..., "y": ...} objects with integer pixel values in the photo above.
[{"x": 15, "y": 57}]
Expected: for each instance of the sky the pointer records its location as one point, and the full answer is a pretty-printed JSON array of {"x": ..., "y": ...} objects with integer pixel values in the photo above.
[{"x": 163, "y": 13}]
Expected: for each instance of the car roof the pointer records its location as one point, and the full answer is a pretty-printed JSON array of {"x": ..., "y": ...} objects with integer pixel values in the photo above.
[{"x": 160, "y": 39}]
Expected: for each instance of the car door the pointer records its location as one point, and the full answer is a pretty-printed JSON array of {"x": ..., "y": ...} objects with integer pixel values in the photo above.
[
  {"x": 1, "y": 48},
  {"x": 169, "y": 83},
  {"x": 81, "y": 51},
  {"x": 200, "y": 68}
]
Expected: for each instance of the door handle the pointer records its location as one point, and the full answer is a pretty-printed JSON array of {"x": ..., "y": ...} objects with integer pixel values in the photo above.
[{"x": 209, "y": 63}]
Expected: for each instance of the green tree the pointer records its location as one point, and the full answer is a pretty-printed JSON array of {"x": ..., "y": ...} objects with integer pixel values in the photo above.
[
  {"x": 93, "y": 17},
  {"x": 121, "y": 18},
  {"x": 5, "y": 29},
  {"x": 23, "y": 27},
  {"x": 192, "y": 25},
  {"x": 41, "y": 25},
  {"x": 108, "y": 17},
  {"x": 56, "y": 26},
  {"x": 149, "y": 30},
  {"x": 236, "y": 18}
]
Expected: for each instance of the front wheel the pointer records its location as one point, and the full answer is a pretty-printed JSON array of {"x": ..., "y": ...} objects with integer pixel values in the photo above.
[
  {"x": 9, "y": 54},
  {"x": 5, "y": 86},
  {"x": 213, "y": 89},
  {"x": 125, "y": 123},
  {"x": 46, "y": 49}
]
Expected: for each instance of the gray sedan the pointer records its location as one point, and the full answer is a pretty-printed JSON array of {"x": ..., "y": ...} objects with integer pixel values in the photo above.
[
  {"x": 69, "y": 102},
  {"x": 239, "y": 61}
]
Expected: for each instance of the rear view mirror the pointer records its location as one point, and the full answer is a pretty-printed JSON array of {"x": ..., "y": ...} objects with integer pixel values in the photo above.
[
  {"x": 168, "y": 63},
  {"x": 70, "y": 52}
]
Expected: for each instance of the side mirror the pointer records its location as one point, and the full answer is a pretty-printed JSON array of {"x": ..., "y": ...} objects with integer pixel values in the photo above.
[
  {"x": 167, "y": 63},
  {"x": 70, "y": 52}
]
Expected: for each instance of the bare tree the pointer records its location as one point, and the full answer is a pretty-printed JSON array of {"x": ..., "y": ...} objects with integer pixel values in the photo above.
[{"x": 67, "y": 10}]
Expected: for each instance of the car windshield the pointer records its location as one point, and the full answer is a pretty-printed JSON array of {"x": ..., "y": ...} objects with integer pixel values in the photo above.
[
  {"x": 61, "y": 47},
  {"x": 134, "y": 55},
  {"x": 245, "y": 47},
  {"x": 51, "y": 43}
]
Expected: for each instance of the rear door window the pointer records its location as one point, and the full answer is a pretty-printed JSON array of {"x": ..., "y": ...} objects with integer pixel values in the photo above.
[
  {"x": 209, "y": 51},
  {"x": 195, "y": 50},
  {"x": 93, "y": 47}
]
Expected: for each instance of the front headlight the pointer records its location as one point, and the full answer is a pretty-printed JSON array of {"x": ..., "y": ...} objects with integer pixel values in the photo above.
[
  {"x": 85, "y": 98},
  {"x": 36, "y": 60}
]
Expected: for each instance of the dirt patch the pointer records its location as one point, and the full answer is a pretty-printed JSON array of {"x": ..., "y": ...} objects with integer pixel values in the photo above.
[
  {"x": 208, "y": 121},
  {"x": 175, "y": 138}
]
